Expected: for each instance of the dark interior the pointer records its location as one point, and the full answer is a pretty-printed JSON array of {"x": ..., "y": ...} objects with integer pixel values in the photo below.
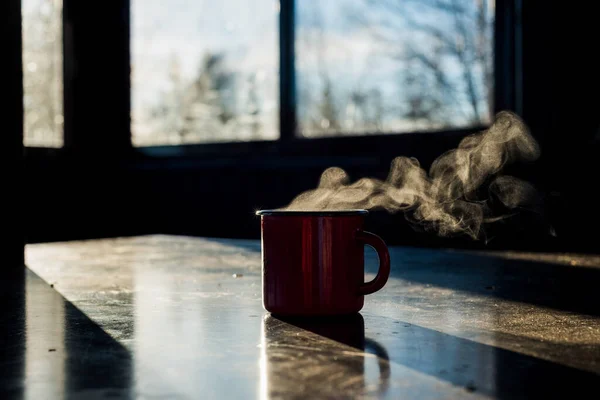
[{"x": 99, "y": 185}]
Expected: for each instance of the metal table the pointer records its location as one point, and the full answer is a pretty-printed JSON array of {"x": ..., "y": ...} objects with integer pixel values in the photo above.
[{"x": 180, "y": 317}]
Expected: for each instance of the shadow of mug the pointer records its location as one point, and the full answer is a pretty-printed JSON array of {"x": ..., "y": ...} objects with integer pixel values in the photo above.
[{"x": 320, "y": 357}]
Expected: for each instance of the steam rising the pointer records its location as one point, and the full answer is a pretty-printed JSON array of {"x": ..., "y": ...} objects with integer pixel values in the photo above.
[{"x": 464, "y": 189}]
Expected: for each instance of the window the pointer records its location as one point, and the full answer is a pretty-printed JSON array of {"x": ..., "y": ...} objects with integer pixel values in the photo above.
[
  {"x": 393, "y": 66},
  {"x": 42, "y": 73},
  {"x": 208, "y": 71},
  {"x": 204, "y": 71}
]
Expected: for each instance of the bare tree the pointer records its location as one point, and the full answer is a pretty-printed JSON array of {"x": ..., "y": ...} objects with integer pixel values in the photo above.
[
  {"x": 324, "y": 112},
  {"x": 209, "y": 102},
  {"x": 449, "y": 43},
  {"x": 252, "y": 110},
  {"x": 201, "y": 109},
  {"x": 329, "y": 102},
  {"x": 328, "y": 113}
]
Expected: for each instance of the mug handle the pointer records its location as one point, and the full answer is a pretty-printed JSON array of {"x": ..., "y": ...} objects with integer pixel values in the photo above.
[{"x": 378, "y": 244}]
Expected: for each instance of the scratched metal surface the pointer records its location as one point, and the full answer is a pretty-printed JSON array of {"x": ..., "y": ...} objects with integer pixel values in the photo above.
[{"x": 164, "y": 317}]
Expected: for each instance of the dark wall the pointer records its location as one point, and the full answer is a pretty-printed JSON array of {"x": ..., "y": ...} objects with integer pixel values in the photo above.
[
  {"x": 561, "y": 79},
  {"x": 11, "y": 134},
  {"x": 211, "y": 194},
  {"x": 217, "y": 196}
]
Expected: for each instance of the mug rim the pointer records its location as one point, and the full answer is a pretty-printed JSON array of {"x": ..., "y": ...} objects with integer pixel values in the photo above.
[{"x": 314, "y": 213}]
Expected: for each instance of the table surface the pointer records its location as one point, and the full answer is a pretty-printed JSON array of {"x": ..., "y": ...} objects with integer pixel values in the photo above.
[{"x": 179, "y": 317}]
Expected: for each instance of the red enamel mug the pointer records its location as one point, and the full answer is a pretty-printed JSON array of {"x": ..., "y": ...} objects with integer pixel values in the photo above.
[{"x": 313, "y": 262}]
